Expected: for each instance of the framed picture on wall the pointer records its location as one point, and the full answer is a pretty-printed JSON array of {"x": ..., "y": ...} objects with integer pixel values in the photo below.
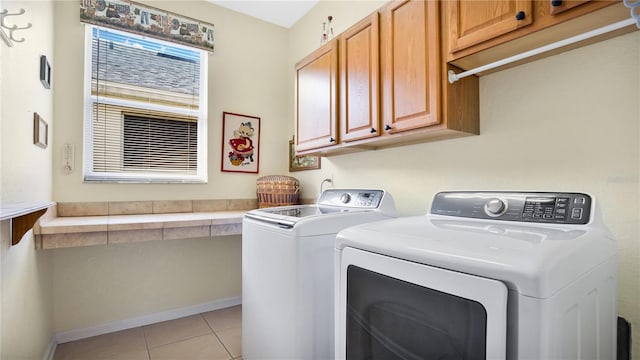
[
  {"x": 40, "y": 131},
  {"x": 301, "y": 162},
  {"x": 45, "y": 72},
  {"x": 240, "y": 143}
]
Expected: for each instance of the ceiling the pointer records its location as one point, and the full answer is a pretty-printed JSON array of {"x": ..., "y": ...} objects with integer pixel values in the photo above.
[{"x": 280, "y": 12}]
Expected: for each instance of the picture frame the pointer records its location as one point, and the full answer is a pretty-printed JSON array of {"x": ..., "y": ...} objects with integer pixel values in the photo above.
[
  {"x": 240, "y": 143},
  {"x": 301, "y": 162},
  {"x": 45, "y": 72},
  {"x": 40, "y": 131}
]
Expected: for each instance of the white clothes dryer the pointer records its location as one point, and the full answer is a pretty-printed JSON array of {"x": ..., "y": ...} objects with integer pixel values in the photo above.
[
  {"x": 484, "y": 275},
  {"x": 287, "y": 272}
]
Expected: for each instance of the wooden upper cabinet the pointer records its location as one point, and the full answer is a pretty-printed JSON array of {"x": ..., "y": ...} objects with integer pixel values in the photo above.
[
  {"x": 410, "y": 65},
  {"x": 359, "y": 88},
  {"x": 477, "y": 33},
  {"x": 475, "y": 21},
  {"x": 558, "y": 6},
  {"x": 392, "y": 83},
  {"x": 317, "y": 95}
]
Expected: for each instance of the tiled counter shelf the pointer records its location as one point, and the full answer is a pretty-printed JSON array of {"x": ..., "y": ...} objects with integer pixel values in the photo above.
[{"x": 121, "y": 222}]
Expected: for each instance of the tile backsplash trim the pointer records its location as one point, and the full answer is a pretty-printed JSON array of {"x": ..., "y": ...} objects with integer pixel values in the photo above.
[
  {"x": 106, "y": 208},
  {"x": 105, "y": 223}
]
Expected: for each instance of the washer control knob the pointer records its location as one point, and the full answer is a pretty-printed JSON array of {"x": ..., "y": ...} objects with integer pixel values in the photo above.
[
  {"x": 345, "y": 198},
  {"x": 495, "y": 207}
]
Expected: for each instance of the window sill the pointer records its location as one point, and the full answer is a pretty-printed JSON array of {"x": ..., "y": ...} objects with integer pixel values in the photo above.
[{"x": 64, "y": 232}]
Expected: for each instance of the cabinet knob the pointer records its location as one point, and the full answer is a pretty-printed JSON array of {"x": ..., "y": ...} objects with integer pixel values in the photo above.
[
  {"x": 332, "y": 140},
  {"x": 520, "y": 15},
  {"x": 556, "y": 2},
  {"x": 387, "y": 127},
  {"x": 373, "y": 130}
]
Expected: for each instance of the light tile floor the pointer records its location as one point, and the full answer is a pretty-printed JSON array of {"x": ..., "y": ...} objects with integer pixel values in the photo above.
[{"x": 216, "y": 335}]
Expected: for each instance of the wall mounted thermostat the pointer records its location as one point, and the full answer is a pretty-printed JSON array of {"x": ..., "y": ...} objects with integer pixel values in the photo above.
[{"x": 68, "y": 159}]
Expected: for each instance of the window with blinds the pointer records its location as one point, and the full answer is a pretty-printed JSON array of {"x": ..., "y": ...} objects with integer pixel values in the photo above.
[{"x": 146, "y": 109}]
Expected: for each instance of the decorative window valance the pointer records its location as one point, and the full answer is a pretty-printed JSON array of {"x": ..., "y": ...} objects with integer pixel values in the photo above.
[{"x": 147, "y": 21}]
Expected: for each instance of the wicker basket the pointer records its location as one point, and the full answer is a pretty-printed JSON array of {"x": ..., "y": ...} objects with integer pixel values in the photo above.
[{"x": 277, "y": 190}]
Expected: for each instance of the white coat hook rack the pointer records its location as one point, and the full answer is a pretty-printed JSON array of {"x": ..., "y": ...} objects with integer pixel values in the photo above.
[
  {"x": 9, "y": 39},
  {"x": 453, "y": 77},
  {"x": 634, "y": 8}
]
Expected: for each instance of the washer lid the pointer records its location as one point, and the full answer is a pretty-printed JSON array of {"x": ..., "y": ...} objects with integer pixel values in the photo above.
[
  {"x": 335, "y": 210},
  {"x": 312, "y": 220},
  {"x": 302, "y": 211},
  {"x": 535, "y": 260},
  {"x": 291, "y": 216}
]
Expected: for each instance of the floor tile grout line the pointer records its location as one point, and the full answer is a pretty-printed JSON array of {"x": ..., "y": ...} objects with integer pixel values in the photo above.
[
  {"x": 223, "y": 345},
  {"x": 148, "y": 348},
  {"x": 217, "y": 337},
  {"x": 177, "y": 341},
  {"x": 146, "y": 342},
  {"x": 82, "y": 353}
]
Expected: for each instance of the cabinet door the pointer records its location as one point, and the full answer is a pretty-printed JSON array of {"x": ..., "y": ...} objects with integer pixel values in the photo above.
[
  {"x": 316, "y": 110},
  {"x": 410, "y": 65},
  {"x": 558, "y": 6},
  {"x": 473, "y": 22},
  {"x": 359, "y": 69}
]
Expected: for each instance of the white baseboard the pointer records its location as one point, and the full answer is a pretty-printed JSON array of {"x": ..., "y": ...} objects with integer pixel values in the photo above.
[
  {"x": 87, "y": 332},
  {"x": 51, "y": 350}
]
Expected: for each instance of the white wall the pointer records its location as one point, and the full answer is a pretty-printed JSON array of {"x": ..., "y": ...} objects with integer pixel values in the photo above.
[
  {"x": 584, "y": 103},
  {"x": 25, "y": 175},
  {"x": 98, "y": 285},
  {"x": 101, "y": 284},
  {"x": 565, "y": 123},
  {"x": 27, "y": 299},
  {"x": 304, "y": 37},
  {"x": 247, "y": 75}
]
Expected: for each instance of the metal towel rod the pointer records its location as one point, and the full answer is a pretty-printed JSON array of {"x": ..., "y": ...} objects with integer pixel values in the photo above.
[{"x": 453, "y": 77}]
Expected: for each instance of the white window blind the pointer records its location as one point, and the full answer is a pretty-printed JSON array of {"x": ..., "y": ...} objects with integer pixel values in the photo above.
[{"x": 145, "y": 109}]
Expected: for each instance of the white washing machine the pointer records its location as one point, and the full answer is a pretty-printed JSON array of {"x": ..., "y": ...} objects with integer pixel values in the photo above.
[
  {"x": 287, "y": 272},
  {"x": 484, "y": 275}
]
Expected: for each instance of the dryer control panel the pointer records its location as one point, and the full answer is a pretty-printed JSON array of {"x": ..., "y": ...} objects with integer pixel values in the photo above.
[{"x": 539, "y": 207}]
